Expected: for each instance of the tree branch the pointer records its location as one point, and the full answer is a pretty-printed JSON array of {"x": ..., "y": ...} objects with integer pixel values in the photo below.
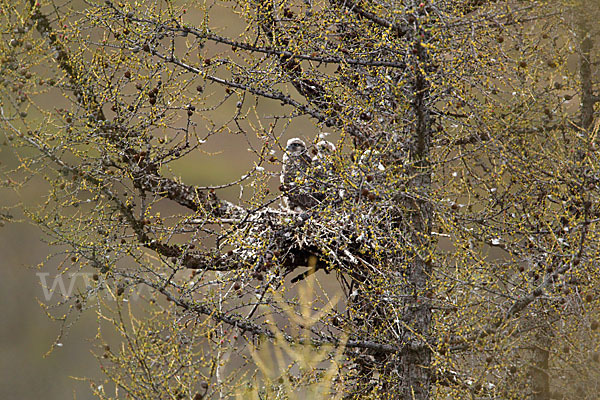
[{"x": 399, "y": 30}]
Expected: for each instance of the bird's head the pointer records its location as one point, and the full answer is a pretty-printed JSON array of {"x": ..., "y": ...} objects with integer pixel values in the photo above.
[
  {"x": 295, "y": 146},
  {"x": 325, "y": 147}
]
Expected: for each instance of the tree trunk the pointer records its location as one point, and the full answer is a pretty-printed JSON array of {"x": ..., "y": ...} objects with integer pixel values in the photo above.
[
  {"x": 415, "y": 357},
  {"x": 585, "y": 72},
  {"x": 540, "y": 382}
]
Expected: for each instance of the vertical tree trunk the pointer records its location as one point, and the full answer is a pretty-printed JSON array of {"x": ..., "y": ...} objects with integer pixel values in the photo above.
[
  {"x": 415, "y": 357},
  {"x": 585, "y": 72},
  {"x": 540, "y": 382}
]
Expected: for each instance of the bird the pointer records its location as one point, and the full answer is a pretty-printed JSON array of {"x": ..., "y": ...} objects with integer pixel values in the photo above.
[
  {"x": 324, "y": 168},
  {"x": 324, "y": 149},
  {"x": 295, "y": 179}
]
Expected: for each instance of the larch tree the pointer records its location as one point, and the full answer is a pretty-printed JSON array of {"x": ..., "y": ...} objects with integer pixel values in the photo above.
[{"x": 452, "y": 244}]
